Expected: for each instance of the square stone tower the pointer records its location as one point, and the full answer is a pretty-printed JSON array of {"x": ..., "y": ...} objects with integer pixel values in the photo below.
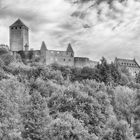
[{"x": 19, "y": 36}]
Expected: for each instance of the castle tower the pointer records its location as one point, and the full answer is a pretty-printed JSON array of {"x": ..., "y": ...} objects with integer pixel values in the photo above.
[
  {"x": 43, "y": 52},
  {"x": 70, "y": 50},
  {"x": 19, "y": 37}
]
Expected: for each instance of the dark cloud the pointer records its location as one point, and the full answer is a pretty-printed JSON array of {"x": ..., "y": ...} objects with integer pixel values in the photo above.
[
  {"x": 96, "y": 1},
  {"x": 70, "y": 26},
  {"x": 79, "y": 14}
]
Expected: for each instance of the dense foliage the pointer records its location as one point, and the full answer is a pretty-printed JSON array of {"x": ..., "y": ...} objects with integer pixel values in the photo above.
[{"x": 56, "y": 102}]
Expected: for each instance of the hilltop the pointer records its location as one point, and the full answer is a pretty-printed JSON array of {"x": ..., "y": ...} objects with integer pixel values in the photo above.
[{"x": 62, "y": 102}]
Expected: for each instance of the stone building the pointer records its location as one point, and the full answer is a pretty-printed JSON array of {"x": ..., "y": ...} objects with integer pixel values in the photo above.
[
  {"x": 55, "y": 56},
  {"x": 130, "y": 64},
  {"x": 64, "y": 57},
  {"x": 19, "y": 37},
  {"x": 19, "y": 43}
]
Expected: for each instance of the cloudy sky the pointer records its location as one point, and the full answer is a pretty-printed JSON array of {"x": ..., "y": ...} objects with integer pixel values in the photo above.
[{"x": 95, "y": 28}]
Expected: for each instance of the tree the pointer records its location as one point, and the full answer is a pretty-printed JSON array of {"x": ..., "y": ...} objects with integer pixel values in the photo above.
[
  {"x": 35, "y": 118},
  {"x": 3, "y": 51},
  {"x": 124, "y": 99},
  {"x": 104, "y": 71},
  {"x": 85, "y": 103},
  {"x": 11, "y": 96},
  {"x": 117, "y": 130},
  {"x": 7, "y": 58},
  {"x": 66, "y": 127},
  {"x": 137, "y": 115}
]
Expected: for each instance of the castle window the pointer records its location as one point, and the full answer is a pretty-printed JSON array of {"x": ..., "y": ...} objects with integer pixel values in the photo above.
[
  {"x": 64, "y": 59},
  {"x": 12, "y": 28},
  {"x": 19, "y": 27},
  {"x": 15, "y": 27}
]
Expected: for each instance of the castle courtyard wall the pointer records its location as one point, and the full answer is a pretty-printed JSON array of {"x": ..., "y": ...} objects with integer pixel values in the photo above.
[{"x": 60, "y": 57}]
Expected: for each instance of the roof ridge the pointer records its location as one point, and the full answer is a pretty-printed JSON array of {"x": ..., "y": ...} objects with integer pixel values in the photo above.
[{"x": 125, "y": 59}]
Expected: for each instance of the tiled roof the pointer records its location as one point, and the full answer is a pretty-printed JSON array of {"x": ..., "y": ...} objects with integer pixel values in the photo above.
[{"x": 18, "y": 23}]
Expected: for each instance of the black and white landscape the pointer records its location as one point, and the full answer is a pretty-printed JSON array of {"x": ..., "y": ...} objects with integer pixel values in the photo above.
[{"x": 69, "y": 70}]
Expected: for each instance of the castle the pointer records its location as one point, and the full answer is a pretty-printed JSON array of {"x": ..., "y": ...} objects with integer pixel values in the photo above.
[{"x": 19, "y": 42}]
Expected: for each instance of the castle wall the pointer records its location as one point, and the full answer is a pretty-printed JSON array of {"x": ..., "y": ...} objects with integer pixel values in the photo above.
[
  {"x": 133, "y": 71},
  {"x": 84, "y": 62},
  {"x": 60, "y": 57},
  {"x": 43, "y": 53}
]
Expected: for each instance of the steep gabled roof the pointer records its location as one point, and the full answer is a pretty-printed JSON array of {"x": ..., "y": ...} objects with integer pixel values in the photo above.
[
  {"x": 127, "y": 62},
  {"x": 43, "y": 46},
  {"x": 69, "y": 49},
  {"x": 18, "y": 23}
]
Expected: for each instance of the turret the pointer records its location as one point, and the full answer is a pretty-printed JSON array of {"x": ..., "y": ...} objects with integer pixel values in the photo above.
[
  {"x": 70, "y": 50},
  {"x": 43, "y": 46},
  {"x": 43, "y": 51},
  {"x": 26, "y": 47}
]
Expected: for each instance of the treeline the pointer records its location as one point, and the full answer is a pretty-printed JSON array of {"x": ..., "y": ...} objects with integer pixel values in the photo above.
[{"x": 54, "y": 102}]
